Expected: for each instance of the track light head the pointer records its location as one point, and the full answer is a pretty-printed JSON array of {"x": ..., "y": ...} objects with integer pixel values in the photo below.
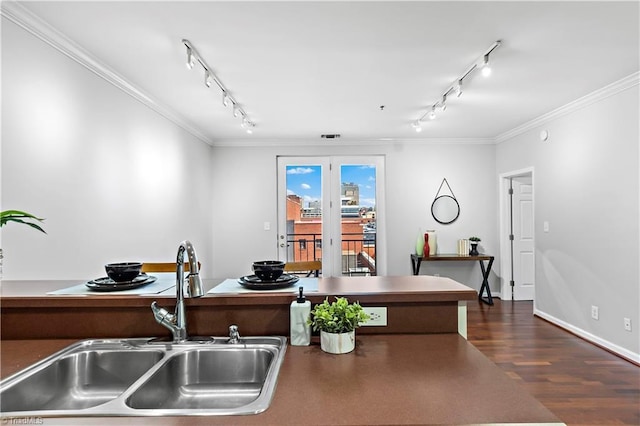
[
  {"x": 443, "y": 103},
  {"x": 459, "y": 88},
  {"x": 225, "y": 99},
  {"x": 417, "y": 126},
  {"x": 432, "y": 114},
  {"x": 247, "y": 125},
  {"x": 236, "y": 110},
  {"x": 486, "y": 69},
  {"x": 191, "y": 60},
  {"x": 207, "y": 78}
]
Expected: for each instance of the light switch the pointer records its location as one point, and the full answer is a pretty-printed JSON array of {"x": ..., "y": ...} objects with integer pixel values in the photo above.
[
  {"x": 267, "y": 226},
  {"x": 545, "y": 226}
]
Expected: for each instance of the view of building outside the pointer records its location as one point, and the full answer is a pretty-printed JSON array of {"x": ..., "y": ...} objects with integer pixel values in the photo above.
[{"x": 358, "y": 216}]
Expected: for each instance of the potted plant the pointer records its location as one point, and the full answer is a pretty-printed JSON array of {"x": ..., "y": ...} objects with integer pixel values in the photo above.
[
  {"x": 474, "y": 245},
  {"x": 337, "y": 322}
]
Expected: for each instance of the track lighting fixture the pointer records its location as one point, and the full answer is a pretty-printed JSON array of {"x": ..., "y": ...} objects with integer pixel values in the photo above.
[
  {"x": 210, "y": 78},
  {"x": 482, "y": 63}
]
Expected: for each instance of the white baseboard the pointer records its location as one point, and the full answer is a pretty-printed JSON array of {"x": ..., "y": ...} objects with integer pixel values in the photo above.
[{"x": 624, "y": 353}]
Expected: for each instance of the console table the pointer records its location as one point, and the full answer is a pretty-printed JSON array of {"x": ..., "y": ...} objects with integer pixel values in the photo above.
[{"x": 486, "y": 270}]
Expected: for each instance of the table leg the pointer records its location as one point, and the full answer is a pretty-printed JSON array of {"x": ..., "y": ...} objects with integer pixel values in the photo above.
[
  {"x": 485, "y": 282},
  {"x": 415, "y": 265}
]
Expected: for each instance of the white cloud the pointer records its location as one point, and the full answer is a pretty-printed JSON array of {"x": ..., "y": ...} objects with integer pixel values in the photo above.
[
  {"x": 305, "y": 186},
  {"x": 300, "y": 171},
  {"x": 367, "y": 202}
]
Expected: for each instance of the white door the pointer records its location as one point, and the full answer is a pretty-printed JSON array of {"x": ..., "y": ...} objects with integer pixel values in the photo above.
[
  {"x": 523, "y": 238},
  {"x": 330, "y": 209}
]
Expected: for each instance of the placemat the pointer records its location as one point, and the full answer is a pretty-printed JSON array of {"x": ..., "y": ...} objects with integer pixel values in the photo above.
[
  {"x": 232, "y": 286},
  {"x": 164, "y": 282}
]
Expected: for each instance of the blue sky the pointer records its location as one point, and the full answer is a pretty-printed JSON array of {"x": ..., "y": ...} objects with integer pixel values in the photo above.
[{"x": 305, "y": 181}]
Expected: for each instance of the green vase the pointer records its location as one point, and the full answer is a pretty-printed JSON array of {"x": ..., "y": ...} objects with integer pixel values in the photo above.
[{"x": 420, "y": 243}]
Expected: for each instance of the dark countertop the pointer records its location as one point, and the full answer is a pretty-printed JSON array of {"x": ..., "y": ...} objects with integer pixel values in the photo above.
[{"x": 388, "y": 379}]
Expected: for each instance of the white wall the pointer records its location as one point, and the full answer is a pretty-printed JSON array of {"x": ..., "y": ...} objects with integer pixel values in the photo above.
[
  {"x": 114, "y": 180},
  {"x": 245, "y": 191},
  {"x": 586, "y": 187}
]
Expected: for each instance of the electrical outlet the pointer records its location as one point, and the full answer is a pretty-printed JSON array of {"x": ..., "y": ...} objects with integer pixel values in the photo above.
[
  {"x": 594, "y": 312},
  {"x": 627, "y": 324},
  {"x": 377, "y": 316}
]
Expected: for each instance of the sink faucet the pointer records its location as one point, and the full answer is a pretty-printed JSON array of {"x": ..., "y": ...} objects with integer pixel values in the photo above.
[{"x": 177, "y": 322}]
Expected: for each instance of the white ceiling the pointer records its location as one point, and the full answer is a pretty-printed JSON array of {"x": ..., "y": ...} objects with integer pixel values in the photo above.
[{"x": 301, "y": 69}]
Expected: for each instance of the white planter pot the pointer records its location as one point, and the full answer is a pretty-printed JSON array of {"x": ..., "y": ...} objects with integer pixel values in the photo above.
[{"x": 338, "y": 343}]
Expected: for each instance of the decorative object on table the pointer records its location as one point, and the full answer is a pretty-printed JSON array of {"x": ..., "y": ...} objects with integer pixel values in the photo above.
[
  {"x": 433, "y": 246},
  {"x": 337, "y": 323},
  {"x": 268, "y": 270},
  {"x": 123, "y": 271},
  {"x": 18, "y": 216},
  {"x": 300, "y": 329},
  {"x": 474, "y": 245},
  {"x": 445, "y": 208},
  {"x": 463, "y": 247},
  {"x": 107, "y": 284},
  {"x": 420, "y": 243},
  {"x": 426, "y": 249},
  {"x": 253, "y": 282}
]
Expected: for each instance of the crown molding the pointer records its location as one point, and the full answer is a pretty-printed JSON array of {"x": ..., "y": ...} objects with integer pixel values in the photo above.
[
  {"x": 593, "y": 97},
  {"x": 342, "y": 142},
  {"x": 24, "y": 18}
]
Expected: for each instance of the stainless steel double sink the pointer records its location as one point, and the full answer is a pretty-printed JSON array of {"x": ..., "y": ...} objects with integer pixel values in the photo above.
[{"x": 144, "y": 377}]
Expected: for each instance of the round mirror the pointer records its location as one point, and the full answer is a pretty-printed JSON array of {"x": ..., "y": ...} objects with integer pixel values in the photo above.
[{"x": 445, "y": 209}]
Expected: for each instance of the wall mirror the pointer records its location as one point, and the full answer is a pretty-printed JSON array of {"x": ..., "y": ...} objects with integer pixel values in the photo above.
[{"x": 445, "y": 208}]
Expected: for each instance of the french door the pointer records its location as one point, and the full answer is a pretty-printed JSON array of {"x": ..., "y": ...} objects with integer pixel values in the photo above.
[{"x": 331, "y": 209}]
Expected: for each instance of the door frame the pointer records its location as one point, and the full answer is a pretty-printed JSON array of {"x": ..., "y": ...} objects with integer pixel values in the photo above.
[
  {"x": 332, "y": 259},
  {"x": 505, "y": 219}
]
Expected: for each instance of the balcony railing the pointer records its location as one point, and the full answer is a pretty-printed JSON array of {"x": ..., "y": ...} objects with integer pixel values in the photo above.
[{"x": 358, "y": 251}]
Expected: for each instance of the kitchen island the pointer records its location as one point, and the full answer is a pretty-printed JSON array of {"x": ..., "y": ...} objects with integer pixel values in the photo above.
[{"x": 415, "y": 304}]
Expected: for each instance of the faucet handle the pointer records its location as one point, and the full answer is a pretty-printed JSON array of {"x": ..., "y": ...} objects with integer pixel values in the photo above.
[{"x": 234, "y": 334}]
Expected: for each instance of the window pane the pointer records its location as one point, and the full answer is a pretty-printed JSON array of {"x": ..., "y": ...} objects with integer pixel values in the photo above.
[
  {"x": 358, "y": 219},
  {"x": 304, "y": 212}
]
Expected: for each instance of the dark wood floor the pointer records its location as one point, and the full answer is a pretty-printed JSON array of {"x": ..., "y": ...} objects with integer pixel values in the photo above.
[{"x": 579, "y": 382}]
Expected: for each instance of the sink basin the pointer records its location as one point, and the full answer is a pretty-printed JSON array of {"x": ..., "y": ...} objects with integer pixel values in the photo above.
[
  {"x": 144, "y": 377},
  {"x": 79, "y": 380},
  {"x": 206, "y": 379}
]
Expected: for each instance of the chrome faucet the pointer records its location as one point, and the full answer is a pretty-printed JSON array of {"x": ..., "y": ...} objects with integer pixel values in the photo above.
[
  {"x": 177, "y": 322},
  {"x": 234, "y": 334}
]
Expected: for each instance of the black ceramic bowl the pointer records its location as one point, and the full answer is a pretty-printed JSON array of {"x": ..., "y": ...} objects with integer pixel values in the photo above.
[
  {"x": 121, "y": 272},
  {"x": 268, "y": 270}
]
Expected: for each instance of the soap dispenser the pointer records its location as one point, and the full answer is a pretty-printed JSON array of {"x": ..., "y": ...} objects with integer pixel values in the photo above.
[{"x": 300, "y": 330}]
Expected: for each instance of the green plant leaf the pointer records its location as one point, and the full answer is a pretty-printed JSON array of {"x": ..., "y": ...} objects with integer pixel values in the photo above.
[
  {"x": 18, "y": 216},
  {"x": 337, "y": 317}
]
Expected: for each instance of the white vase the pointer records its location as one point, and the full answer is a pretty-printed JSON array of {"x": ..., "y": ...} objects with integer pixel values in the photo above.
[{"x": 338, "y": 343}]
